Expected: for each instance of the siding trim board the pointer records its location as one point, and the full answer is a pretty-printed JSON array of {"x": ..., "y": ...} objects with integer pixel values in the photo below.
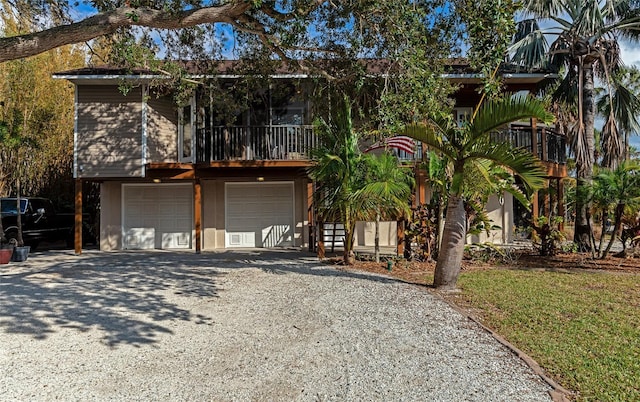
[{"x": 145, "y": 122}]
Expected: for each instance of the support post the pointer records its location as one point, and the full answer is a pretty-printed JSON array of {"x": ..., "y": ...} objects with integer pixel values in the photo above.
[
  {"x": 534, "y": 207},
  {"x": 197, "y": 209},
  {"x": 420, "y": 186},
  {"x": 561, "y": 210},
  {"x": 543, "y": 138},
  {"x": 400, "y": 234},
  {"x": 78, "y": 218},
  {"x": 534, "y": 138},
  {"x": 310, "y": 217}
]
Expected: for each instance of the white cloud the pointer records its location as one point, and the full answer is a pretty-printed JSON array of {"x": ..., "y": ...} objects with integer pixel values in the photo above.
[{"x": 630, "y": 53}]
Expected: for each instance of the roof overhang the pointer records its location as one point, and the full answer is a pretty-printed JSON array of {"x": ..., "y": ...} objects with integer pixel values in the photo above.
[
  {"x": 108, "y": 79},
  {"x": 510, "y": 78}
]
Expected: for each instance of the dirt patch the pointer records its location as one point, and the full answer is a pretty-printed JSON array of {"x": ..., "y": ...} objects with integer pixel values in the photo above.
[{"x": 422, "y": 272}]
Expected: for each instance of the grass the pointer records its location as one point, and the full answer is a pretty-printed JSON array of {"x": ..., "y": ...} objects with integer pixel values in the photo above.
[{"x": 582, "y": 328}]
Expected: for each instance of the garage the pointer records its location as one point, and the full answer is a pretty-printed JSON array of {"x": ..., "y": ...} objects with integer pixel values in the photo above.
[
  {"x": 157, "y": 216},
  {"x": 259, "y": 214}
]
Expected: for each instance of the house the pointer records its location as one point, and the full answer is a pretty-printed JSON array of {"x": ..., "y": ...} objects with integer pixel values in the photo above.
[{"x": 207, "y": 174}]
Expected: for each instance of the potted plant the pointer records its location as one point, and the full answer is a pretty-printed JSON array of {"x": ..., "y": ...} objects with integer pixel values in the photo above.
[
  {"x": 6, "y": 249},
  {"x": 20, "y": 251}
]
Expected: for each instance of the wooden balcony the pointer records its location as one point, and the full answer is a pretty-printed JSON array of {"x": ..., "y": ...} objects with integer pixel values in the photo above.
[
  {"x": 547, "y": 145},
  {"x": 255, "y": 143}
]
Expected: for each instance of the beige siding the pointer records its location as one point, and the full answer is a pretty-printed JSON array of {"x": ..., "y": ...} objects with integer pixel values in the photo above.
[
  {"x": 366, "y": 234},
  {"x": 501, "y": 216},
  {"x": 162, "y": 130},
  {"x": 110, "y": 216},
  {"x": 213, "y": 214},
  {"x": 109, "y": 125}
]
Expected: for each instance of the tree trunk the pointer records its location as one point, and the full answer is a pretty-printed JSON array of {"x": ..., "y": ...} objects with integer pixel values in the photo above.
[
  {"x": 349, "y": 256},
  {"x": 19, "y": 216},
  {"x": 584, "y": 163},
  {"x": 452, "y": 246},
  {"x": 2, "y": 238},
  {"x": 616, "y": 227}
]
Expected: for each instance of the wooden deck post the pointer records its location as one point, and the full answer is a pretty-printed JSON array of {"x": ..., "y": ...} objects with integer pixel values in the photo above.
[
  {"x": 560, "y": 196},
  {"x": 78, "y": 218},
  {"x": 197, "y": 213},
  {"x": 400, "y": 234},
  {"x": 534, "y": 137},
  {"x": 310, "y": 217},
  {"x": 420, "y": 175}
]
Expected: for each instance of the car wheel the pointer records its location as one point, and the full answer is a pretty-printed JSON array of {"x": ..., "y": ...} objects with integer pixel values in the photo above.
[{"x": 11, "y": 235}]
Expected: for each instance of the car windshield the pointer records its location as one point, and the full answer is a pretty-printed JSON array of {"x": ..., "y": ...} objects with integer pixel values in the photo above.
[{"x": 9, "y": 206}]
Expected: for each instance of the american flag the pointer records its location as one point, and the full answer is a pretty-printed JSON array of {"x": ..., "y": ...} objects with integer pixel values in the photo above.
[{"x": 402, "y": 142}]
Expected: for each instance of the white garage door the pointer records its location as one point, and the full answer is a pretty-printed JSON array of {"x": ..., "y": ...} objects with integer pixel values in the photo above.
[
  {"x": 157, "y": 216},
  {"x": 259, "y": 214}
]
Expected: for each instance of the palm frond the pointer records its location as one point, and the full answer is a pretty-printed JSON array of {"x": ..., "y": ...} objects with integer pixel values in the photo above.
[
  {"x": 542, "y": 8},
  {"x": 433, "y": 134},
  {"x": 611, "y": 144},
  {"x": 517, "y": 160},
  {"x": 496, "y": 114},
  {"x": 529, "y": 48}
]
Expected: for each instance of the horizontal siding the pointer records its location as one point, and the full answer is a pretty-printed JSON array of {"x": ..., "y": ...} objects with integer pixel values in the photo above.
[
  {"x": 109, "y": 128},
  {"x": 162, "y": 130}
]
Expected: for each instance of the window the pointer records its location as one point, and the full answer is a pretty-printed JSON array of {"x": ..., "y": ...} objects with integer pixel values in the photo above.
[
  {"x": 8, "y": 206},
  {"x": 186, "y": 132},
  {"x": 462, "y": 115}
]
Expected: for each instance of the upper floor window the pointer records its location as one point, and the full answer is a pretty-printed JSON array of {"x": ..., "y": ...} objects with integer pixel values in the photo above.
[
  {"x": 462, "y": 115},
  {"x": 186, "y": 133}
]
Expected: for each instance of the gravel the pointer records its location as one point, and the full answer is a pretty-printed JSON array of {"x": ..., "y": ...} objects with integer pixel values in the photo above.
[{"x": 238, "y": 326}]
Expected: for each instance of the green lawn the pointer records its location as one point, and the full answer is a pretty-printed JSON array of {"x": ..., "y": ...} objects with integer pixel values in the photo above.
[{"x": 582, "y": 328}]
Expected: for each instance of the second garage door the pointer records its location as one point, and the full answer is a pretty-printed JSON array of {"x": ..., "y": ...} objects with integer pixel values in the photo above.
[{"x": 259, "y": 214}]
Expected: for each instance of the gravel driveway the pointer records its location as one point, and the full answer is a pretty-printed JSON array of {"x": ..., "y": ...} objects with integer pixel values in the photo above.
[{"x": 238, "y": 326}]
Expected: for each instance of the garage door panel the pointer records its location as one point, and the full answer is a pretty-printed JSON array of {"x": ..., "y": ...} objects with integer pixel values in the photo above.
[
  {"x": 259, "y": 214},
  {"x": 157, "y": 216},
  {"x": 276, "y": 235}
]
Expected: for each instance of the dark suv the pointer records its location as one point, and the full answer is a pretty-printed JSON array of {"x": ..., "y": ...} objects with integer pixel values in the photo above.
[{"x": 40, "y": 222}]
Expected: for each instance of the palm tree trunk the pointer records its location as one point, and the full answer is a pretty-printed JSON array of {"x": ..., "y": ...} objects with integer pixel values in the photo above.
[
  {"x": 603, "y": 232},
  {"x": 585, "y": 158},
  {"x": 349, "y": 257},
  {"x": 452, "y": 246},
  {"x": 616, "y": 228}
]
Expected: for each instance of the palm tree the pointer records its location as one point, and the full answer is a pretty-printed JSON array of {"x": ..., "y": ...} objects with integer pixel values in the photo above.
[
  {"x": 620, "y": 106},
  {"x": 470, "y": 149},
  {"x": 386, "y": 190},
  {"x": 352, "y": 186},
  {"x": 585, "y": 44},
  {"x": 622, "y": 187}
]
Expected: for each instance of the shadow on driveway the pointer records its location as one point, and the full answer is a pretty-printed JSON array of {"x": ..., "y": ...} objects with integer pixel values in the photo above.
[{"x": 129, "y": 296}]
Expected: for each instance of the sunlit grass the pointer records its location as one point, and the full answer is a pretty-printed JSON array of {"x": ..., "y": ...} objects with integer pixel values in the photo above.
[{"x": 582, "y": 328}]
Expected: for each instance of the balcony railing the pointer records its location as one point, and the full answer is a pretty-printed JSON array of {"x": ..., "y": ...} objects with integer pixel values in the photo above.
[
  {"x": 282, "y": 142},
  {"x": 550, "y": 146}
]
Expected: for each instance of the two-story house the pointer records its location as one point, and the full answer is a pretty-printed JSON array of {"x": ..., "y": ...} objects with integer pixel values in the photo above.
[{"x": 206, "y": 174}]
